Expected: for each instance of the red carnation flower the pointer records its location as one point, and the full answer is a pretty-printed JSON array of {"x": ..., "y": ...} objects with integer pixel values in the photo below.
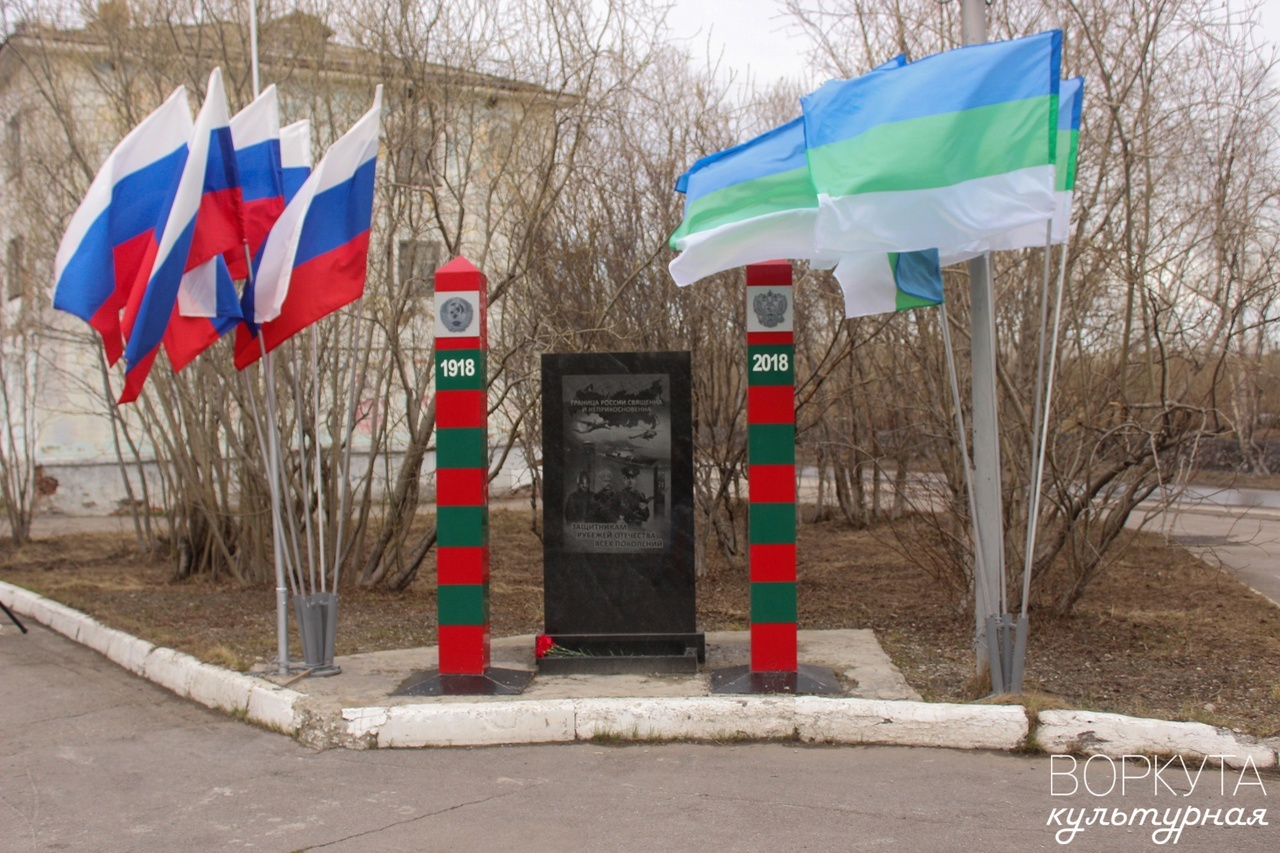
[{"x": 542, "y": 645}]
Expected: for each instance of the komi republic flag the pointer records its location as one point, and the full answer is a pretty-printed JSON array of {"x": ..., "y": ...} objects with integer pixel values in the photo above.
[
  {"x": 1070, "y": 105},
  {"x": 750, "y": 203},
  {"x": 945, "y": 151},
  {"x": 755, "y": 202}
]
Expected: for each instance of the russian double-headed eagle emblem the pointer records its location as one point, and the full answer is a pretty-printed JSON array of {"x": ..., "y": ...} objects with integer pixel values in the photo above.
[{"x": 770, "y": 308}]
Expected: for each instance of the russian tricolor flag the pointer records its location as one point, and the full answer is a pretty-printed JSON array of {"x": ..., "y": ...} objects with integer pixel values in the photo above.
[
  {"x": 295, "y": 156},
  {"x": 315, "y": 259},
  {"x": 295, "y": 163},
  {"x": 208, "y": 305},
  {"x": 256, "y": 131},
  {"x": 203, "y": 220},
  {"x": 107, "y": 241}
]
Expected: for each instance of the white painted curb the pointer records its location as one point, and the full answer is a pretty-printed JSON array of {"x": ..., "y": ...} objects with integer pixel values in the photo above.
[
  {"x": 809, "y": 718},
  {"x": 1115, "y": 735},
  {"x": 694, "y": 718},
  {"x": 477, "y": 723},
  {"x": 260, "y": 701},
  {"x": 713, "y": 718},
  {"x": 910, "y": 723}
]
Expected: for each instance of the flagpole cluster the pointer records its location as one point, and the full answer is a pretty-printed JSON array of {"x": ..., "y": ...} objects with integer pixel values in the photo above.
[
  {"x": 886, "y": 179},
  {"x": 195, "y": 227}
]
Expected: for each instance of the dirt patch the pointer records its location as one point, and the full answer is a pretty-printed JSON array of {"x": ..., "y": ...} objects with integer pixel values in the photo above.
[{"x": 1162, "y": 634}]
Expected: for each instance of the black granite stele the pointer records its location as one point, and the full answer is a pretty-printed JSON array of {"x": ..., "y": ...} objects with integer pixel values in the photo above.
[{"x": 618, "y": 572}]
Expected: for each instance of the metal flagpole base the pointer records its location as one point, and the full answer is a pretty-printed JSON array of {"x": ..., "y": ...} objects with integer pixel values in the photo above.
[
  {"x": 806, "y": 680},
  {"x": 493, "y": 682},
  {"x": 317, "y": 624}
]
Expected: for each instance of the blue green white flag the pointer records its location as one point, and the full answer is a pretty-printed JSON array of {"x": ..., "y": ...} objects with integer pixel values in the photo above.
[
  {"x": 949, "y": 150},
  {"x": 1070, "y": 105}
]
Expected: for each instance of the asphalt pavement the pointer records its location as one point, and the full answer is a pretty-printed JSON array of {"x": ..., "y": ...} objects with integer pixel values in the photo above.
[
  {"x": 92, "y": 758},
  {"x": 1244, "y": 540}
]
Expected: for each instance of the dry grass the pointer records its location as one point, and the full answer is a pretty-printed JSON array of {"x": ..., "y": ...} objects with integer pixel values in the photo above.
[{"x": 1161, "y": 635}]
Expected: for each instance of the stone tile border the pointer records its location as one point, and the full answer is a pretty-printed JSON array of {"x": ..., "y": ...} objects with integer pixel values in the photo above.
[{"x": 713, "y": 718}]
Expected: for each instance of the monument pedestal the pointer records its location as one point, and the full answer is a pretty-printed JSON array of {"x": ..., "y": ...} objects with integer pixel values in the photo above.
[
  {"x": 624, "y": 654},
  {"x": 492, "y": 682},
  {"x": 805, "y": 680}
]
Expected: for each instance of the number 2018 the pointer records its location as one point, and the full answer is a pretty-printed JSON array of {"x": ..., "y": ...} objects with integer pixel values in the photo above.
[{"x": 766, "y": 362}]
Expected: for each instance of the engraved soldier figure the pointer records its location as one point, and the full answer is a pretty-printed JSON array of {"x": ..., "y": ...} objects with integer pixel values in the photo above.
[
  {"x": 634, "y": 506},
  {"x": 578, "y": 506},
  {"x": 604, "y": 504}
]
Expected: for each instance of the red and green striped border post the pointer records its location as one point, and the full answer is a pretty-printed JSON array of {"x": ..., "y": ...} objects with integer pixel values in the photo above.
[
  {"x": 462, "y": 491},
  {"x": 771, "y": 471},
  {"x": 771, "y": 477},
  {"x": 462, "y": 468}
]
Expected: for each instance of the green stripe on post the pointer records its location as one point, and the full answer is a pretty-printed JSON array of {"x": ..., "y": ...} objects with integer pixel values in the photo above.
[
  {"x": 462, "y": 526},
  {"x": 773, "y": 603},
  {"x": 463, "y": 604},
  {"x": 771, "y": 524},
  {"x": 771, "y": 444},
  {"x": 462, "y": 447}
]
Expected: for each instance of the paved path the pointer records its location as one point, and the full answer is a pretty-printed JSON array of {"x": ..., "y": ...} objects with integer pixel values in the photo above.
[
  {"x": 1244, "y": 541},
  {"x": 92, "y": 758}
]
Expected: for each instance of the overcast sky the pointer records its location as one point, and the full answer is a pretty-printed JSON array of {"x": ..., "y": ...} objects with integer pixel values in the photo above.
[{"x": 753, "y": 33}]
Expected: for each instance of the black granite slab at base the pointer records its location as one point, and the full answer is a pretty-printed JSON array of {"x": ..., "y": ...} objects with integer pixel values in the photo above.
[
  {"x": 807, "y": 680},
  {"x": 685, "y": 664},
  {"x": 625, "y": 654},
  {"x": 618, "y": 510},
  {"x": 494, "y": 682}
]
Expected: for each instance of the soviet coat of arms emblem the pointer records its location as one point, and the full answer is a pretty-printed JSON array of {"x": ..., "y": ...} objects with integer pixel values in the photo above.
[
  {"x": 770, "y": 308},
  {"x": 456, "y": 314}
]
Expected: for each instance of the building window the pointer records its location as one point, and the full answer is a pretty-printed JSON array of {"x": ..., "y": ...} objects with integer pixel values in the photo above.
[
  {"x": 15, "y": 272},
  {"x": 13, "y": 146},
  {"x": 419, "y": 260}
]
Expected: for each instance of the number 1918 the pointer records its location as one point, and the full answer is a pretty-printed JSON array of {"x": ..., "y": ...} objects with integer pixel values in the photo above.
[{"x": 454, "y": 367}]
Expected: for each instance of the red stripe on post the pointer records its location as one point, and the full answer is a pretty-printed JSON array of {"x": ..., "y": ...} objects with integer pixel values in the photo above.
[
  {"x": 771, "y": 484},
  {"x": 457, "y": 343},
  {"x": 464, "y": 649},
  {"x": 462, "y": 486},
  {"x": 774, "y": 273},
  {"x": 773, "y": 563},
  {"x": 467, "y": 408},
  {"x": 458, "y": 565},
  {"x": 754, "y": 338},
  {"x": 771, "y": 404},
  {"x": 773, "y": 647}
]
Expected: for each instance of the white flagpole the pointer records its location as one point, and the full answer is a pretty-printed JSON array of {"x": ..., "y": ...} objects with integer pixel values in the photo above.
[
  {"x": 275, "y": 475},
  {"x": 320, "y": 504},
  {"x": 253, "y": 45}
]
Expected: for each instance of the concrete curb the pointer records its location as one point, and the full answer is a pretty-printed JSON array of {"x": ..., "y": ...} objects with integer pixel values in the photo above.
[
  {"x": 256, "y": 700},
  {"x": 714, "y": 718},
  {"x": 1115, "y": 736}
]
